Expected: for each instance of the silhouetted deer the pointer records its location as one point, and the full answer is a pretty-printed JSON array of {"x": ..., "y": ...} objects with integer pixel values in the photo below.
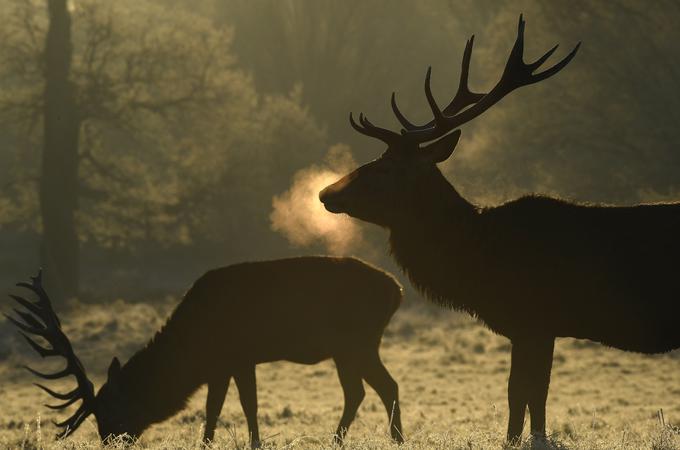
[
  {"x": 304, "y": 310},
  {"x": 532, "y": 269}
]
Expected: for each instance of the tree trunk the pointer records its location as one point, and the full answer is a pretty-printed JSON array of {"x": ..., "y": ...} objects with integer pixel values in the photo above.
[{"x": 59, "y": 177}]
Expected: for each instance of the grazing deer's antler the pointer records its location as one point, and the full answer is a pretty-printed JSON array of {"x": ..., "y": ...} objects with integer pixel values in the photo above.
[{"x": 49, "y": 328}]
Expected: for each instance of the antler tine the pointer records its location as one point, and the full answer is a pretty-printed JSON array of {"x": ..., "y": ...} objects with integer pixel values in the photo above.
[
  {"x": 386, "y": 134},
  {"x": 355, "y": 125},
  {"x": 51, "y": 331},
  {"x": 361, "y": 127},
  {"x": 518, "y": 48},
  {"x": 69, "y": 395},
  {"x": 66, "y": 422},
  {"x": 42, "y": 351},
  {"x": 515, "y": 75},
  {"x": 43, "y": 299},
  {"x": 24, "y": 327},
  {"x": 368, "y": 129},
  {"x": 436, "y": 112},
  {"x": 64, "y": 405},
  {"x": 74, "y": 421},
  {"x": 28, "y": 318},
  {"x": 363, "y": 120},
  {"x": 407, "y": 124},
  {"x": 536, "y": 64},
  {"x": 72, "y": 424},
  {"x": 32, "y": 307},
  {"x": 556, "y": 68},
  {"x": 464, "y": 97},
  {"x": 50, "y": 376}
]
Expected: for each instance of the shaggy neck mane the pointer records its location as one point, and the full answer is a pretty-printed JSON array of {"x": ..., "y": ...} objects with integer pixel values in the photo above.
[
  {"x": 159, "y": 379},
  {"x": 440, "y": 226}
]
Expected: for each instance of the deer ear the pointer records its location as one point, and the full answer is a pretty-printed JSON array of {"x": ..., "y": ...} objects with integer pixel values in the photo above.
[
  {"x": 440, "y": 150},
  {"x": 114, "y": 369}
]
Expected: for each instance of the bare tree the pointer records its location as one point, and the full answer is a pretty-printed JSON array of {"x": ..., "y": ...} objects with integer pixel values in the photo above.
[
  {"x": 114, "y": 97},
  {"x": 59, "y": 170}
]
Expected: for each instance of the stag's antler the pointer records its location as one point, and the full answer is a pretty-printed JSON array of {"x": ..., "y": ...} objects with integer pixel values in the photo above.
[
  {"x": 49, "y": 328},
  {"x": 367, "y": 128},
  {"x": 516, "y": 74},
  {"x": 463, "y": 98}
]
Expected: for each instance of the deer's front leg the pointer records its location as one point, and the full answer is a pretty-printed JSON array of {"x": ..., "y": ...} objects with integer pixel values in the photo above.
[
  {"x": 247, "y": 391},
  {"x": 528, "y": 384},
  {"x": 217, "y": 391}
]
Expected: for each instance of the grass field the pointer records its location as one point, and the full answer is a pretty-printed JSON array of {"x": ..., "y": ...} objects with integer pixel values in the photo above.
[{"x": 452, "y": 374}]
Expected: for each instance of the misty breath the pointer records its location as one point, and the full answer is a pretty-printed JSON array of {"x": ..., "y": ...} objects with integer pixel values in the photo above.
[{"x": 300, "y": 216}]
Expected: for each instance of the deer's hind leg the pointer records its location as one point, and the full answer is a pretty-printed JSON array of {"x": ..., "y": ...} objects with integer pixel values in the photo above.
[
  {"x": 247, "y": 392},
  {"x": 377, "y": 376},
  {"x": 349, "y": 372},
  {"x": 217, "y": 392}
]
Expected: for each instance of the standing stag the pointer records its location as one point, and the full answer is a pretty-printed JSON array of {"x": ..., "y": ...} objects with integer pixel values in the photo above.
[
  {"x": 533, "y": 269},
  {"x": 304, "y": 310}
]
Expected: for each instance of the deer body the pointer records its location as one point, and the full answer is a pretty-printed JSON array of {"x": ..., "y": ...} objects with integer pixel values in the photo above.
[
  {"x": 601, "y": 273},
  {"x": 303, "y": 310},
  {"x": 533, "y": 269},
  {"x": 543, "y": 266},
  {"x": 540, "y": 265},
  {"x": 538, "y": 268}
]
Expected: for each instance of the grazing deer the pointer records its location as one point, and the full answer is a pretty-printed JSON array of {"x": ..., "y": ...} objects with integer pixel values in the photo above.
[
  {"x": 532, "y": 269},
  {"x": 304, "y": 310}
]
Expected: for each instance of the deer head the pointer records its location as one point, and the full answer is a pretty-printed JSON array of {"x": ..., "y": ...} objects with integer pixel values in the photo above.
[
  {"x": 110, "y": 406},
  {"x": 383, "y": 191}
]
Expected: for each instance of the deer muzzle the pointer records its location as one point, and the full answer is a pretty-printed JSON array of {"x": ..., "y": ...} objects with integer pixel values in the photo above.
[{"x": 334, "y": 197}]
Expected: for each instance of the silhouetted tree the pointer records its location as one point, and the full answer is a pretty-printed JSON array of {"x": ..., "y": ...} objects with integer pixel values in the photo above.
[
  {"x": 59, "y": 169},
  {"x": 169, "y": 130},
  {"x": 111, "y": 93}
]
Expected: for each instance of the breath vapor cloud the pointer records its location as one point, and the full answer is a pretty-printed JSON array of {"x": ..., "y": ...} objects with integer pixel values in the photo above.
[{"x": 300, "y": 216}]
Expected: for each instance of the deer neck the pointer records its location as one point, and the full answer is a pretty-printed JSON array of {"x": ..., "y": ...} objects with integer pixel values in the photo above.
[
  {"x": 160, "y": 378},
  {"x": 435, "y": 205},
  {"x": 437, "y": 244}
]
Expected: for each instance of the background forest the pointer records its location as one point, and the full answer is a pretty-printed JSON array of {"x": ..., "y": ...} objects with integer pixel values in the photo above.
[{"x": 193, "y": 117}]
